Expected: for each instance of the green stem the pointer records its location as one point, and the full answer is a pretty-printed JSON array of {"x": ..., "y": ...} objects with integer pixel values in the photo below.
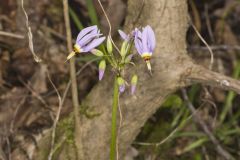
[{"x": 114, "y": 121}]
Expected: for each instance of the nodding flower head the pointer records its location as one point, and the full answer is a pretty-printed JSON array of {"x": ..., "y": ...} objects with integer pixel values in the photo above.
[
  {"x": 87, "y": 39},
  {"x": 145, "y": 43}
]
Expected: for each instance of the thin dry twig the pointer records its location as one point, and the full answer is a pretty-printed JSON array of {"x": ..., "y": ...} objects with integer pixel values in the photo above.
[
  {"x": 78, "y": 131},
  {"x": 110, "y": 27},
  {"x": 203, "y": 40},
  {"x": 30, "y": 37},
  {"x": 56, "y": 119},
  {"x": 12, "y": 35},
  {"x": 205, "y": 128}
]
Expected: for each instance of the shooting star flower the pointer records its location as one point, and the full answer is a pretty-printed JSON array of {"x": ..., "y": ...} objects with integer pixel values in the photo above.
[
  {"x": 145, "y": 43},
  {"x": 87, "y": 39}
]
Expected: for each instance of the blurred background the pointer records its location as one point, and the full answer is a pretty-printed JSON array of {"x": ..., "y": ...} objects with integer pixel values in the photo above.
[{"x": 28, "y": 102}]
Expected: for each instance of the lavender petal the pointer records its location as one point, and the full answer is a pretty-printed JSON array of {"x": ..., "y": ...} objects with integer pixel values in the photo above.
[
  {"x": 85, "y": 31},
  {"x": 85, "y": 40},
  {"x": 138, "y": 42},
  {"x": 151, "y": 38},
  {"x": 93, "y": 44},
  {"x": 144, "y": 40}
]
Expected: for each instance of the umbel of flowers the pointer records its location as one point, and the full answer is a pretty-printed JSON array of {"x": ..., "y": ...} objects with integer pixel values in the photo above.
[{"x": 144, "y": 40}]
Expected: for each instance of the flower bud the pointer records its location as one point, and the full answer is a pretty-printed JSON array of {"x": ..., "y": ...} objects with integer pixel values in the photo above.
[
  {"x": 128, "y": 58},
  {"x": 97, "y": 52},
  {"x": 101, "y": 67},
  {"x": 109, "y": 45},
  {"x": 123, "y": 51},
  {"x": 121, "y": 84},
  {"x": 134, "y": 81}
]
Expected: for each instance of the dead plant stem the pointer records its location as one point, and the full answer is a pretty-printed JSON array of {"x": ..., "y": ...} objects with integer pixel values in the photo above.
[{"x": 75, "y": 101}]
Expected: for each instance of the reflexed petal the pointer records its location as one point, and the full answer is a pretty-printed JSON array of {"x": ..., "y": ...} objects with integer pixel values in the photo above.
[
  {"x": 151, "y": 38},
  {"x": 86, "y": 39},
  {"x": 145, "y": 40},
  {"x": 85, "y": 31},
  {"x": 138, "y": 42},
  {"x": 93, "y": 44},
  {"x": 123, "y": 35}
]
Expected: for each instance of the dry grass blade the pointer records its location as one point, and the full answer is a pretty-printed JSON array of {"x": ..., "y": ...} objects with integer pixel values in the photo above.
[{"x": 13, "y": 35}]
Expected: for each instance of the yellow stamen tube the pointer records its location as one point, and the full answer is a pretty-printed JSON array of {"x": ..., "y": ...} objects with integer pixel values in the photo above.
[
  {"x": 71, "y": 55},
  {"x": 149, "y": 65}
]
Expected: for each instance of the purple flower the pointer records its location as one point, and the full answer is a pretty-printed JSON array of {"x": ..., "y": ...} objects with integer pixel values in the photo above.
[
  {"x": 145, "y": 43},
  {"x": 87, "y": 39}
]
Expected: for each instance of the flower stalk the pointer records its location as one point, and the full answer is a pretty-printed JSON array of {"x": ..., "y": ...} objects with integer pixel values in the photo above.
[{"x": 114, "y": 120}]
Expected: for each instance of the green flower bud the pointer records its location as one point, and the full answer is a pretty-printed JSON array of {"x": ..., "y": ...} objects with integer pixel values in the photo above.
[
  {"x": 97, "y": 52},
  {"x": 123, "y": 51},
  {"x": 109, "y": 45}
]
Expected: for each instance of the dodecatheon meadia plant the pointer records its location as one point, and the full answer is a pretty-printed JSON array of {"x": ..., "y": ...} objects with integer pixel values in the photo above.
[
  {"x": 118, "y": 59},
  {"x": 87, "y": 39},
  {"x": 145, "y": 43}
]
